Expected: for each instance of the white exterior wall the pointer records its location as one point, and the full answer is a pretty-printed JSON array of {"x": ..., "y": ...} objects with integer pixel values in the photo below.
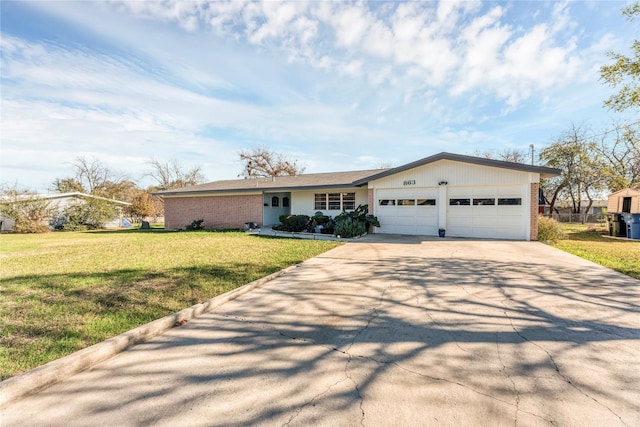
[
  {"x": 303, "y": 202},
  {"x": 463, "y": 180},
  {"x": 455, "y": 174}
]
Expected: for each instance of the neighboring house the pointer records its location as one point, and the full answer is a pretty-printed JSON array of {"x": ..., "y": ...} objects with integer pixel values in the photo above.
[
  {"x": 624, "y": 201},
  {"x": 59, "y": 201},
  {"x": 598, "y": 207},
  {"x": 467, "y": 196}
]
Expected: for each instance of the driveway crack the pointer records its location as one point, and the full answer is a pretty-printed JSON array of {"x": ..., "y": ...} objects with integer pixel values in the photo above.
[
  {"x": 513, "y": 384},
  {"x": 313, "y": 399},
  {"x": 561, "y": 374}
]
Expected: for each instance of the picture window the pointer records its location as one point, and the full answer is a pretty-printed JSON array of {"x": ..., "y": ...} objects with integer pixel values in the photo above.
[{"x": 335, "y": 201}]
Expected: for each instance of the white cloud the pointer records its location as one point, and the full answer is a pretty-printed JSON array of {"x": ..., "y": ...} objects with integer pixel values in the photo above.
[
  {"x": 425, "y": 42},
  {"x": 336, "y": 78}
]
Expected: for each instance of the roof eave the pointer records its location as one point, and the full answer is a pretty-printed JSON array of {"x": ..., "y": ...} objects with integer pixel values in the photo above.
[
  {"x": 254, "y": 190},
  {"x": 544, "y": 172}
]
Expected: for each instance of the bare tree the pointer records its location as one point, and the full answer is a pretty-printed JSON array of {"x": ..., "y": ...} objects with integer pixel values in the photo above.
[
  {"x": 260, "y": 162},
  {"x": 91, "y": 173},
  {"x": 620, "y": 150},
  {"x": 507, "y": 155},
  {"x": 171, "y": 174},
  {"x": 94, "y": 177}
]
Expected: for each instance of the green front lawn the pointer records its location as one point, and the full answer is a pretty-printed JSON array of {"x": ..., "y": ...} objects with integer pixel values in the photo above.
[
  {"x": 61, "y": 292},
  {"x": 588, "y": 241}
]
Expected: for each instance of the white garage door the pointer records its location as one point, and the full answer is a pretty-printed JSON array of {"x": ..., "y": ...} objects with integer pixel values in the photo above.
[
  {"x": 408, "y": 211},
  {"x": 483, "y": 212},
  {"x": 498, "y": 213}
]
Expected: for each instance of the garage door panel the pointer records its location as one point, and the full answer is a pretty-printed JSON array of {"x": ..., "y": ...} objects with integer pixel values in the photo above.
[
  {"x": 416, "y": 219},
  {"x": 485, "y": 215},
  {"x": 484, "y": 222},
  {"x": 484, "y": 218}
]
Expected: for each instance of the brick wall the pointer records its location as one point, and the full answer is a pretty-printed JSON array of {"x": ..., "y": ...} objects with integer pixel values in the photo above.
[
  {"x": 218, "y": 212},
  {"x": 534, "y": 211},
  {"x": 372, "y": 205}
]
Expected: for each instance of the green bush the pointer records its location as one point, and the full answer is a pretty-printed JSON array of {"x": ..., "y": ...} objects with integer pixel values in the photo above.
[
  {"x": 549, "y": 230},
  {"x": 350, "y": 227},
  {"x": 27, "y": 209},
  {"x": 294, "y": 223},
  {"x": 359, "y": 216},
  {"x": 320, "y": 219},
  {"x": 26, "y": 226},
  {"x": 89, "y": 215},
  {"x": 196, "y": 224}
]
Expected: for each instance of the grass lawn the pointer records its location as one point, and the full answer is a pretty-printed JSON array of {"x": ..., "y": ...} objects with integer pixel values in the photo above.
[
  {"x": 61, "y": 292},
  {"x": 587, "y": 241}
]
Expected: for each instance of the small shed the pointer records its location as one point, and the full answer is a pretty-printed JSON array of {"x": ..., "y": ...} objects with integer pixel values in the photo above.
[{"x": 624, "y": 201}]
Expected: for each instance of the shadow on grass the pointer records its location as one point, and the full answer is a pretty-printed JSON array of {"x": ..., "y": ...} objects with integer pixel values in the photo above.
[{"x": 42, "y": 314}]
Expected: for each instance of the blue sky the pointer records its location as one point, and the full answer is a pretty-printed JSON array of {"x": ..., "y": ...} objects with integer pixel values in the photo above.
[{"x": 335, "y": 85}]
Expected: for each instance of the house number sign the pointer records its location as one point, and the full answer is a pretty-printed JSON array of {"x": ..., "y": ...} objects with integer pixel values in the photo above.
[{"x": 409, "y": 182}]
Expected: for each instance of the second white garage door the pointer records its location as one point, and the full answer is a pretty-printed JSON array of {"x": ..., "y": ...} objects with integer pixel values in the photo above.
[{"x": 487, "y": 212}]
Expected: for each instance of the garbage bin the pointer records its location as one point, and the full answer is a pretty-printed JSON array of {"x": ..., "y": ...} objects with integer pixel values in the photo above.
[
  {"x": 633, "y": 226},
  {"x": 617, "y": 226},
  {"x": 610, "y": 221}
]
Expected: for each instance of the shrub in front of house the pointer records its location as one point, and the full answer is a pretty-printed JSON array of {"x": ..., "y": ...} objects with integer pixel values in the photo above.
[
  {"x": 350, "y": 227},
  {"x": 355, "y": 223},
  {"x": 549, "y": 230},
  {"x": 293, "y": 223},
  {"x": 196, "y": 224}
]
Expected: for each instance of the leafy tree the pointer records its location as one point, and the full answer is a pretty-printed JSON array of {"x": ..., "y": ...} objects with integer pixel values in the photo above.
[
  {"x": 124, "y": 190},
  {"x": 171, "y": 174},
  {"x": 582, "y": 168},
  {"x": 142, "y": 205},
  {"x": 260, "y": 162},
  {"x": 67, "y": 185},
  {"x": 624, "y": 72},
  {"x": 91, "y": 213},
  {"x": 27, "y": 209}
]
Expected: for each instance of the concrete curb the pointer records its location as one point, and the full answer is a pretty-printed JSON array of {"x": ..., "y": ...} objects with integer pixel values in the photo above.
[{"x": 46, "y": 375}]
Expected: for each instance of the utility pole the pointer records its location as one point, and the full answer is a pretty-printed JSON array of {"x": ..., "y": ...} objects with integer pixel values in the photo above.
[{"x": 531, "y": 148}]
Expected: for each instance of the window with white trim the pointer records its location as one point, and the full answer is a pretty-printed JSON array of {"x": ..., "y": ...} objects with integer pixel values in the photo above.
[{"x": 334, "y": 201}]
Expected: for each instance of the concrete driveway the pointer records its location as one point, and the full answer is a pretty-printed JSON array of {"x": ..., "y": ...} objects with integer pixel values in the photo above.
[{"x": 384, "y": 332}]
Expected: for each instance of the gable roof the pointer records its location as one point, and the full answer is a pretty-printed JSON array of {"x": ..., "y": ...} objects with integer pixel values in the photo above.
[
  {"x": 341, "y": 179},
  {"x": 626, "y": 192},
  {"x": 278, "y": 183},
  {"x": 544, "y": 172}
]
